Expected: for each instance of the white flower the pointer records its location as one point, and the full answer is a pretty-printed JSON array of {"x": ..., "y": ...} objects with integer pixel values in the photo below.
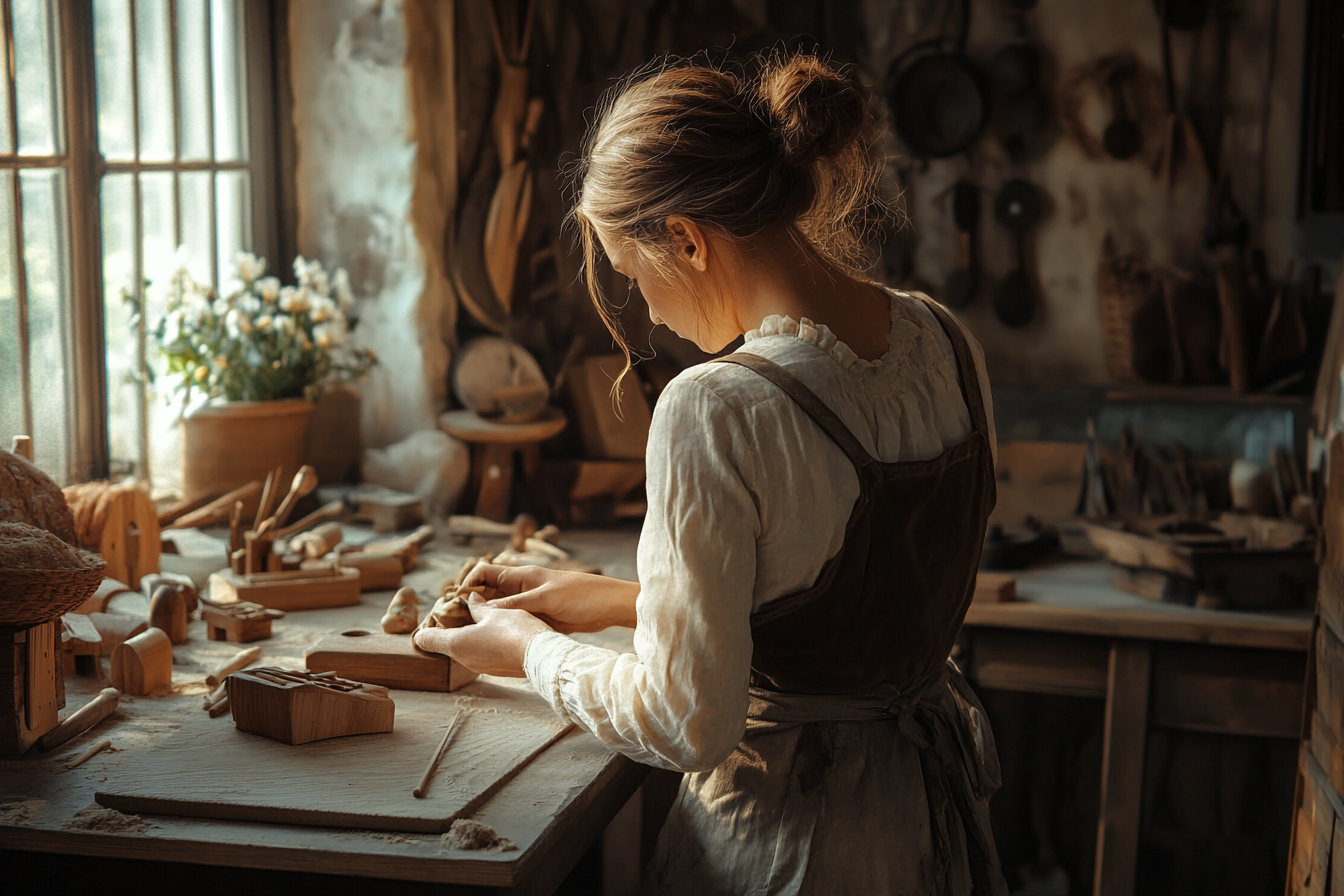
[
  {"x": 268, "y": 288},
  {"x": 233, "y": 289},
  {"x": 294, "y": 300},
  {"x": 340, "y": 284},
  {"x": 264, "y": 322},
  {"x": 250, "y": 267},
  {"x": 323, "y": 309},
  {"x": 284, "y": 324},
  {"x": 312, "y": 275},
  {"x": 331, "y": 334},
  {"x": 237, "y": 323},
  {"x": 172, "y": 329},
  {"x": 250, "y": 305}
]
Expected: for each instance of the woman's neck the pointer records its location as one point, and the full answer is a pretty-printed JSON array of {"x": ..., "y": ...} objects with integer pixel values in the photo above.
[{"x": 772, "y": 274}]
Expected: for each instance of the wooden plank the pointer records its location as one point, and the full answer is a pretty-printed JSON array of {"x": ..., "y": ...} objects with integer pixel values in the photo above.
[
  {"x": 341, "y": 590},
  {"x": 1156, "y": 622},
  {"x": 360, "y": 782},
  {"x": 1330, "y": 679},
  {"x": 40, "y": 692},
  {"x": 1309, "y": 866},
  {"x": 1039, "y": 662},
  {"x": 1228, "y": 690},
  {"x": 1122, "y": 768},
  {"x": 1329, "y": 752},
  {"x": 995, "y": 586},
  {"x": 388, "y": 660}
]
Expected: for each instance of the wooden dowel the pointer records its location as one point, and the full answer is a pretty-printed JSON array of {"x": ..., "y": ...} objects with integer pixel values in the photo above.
[
  {"x": 220, "y": 708},
  {"x": 89, "y": 754},
  {"x": 263, "y": 508},
  {"x": 213, "y": 697},
  {"x": 241, "y": 660},
  {"x": 326, "y": 512},
  {"x": 82, "y": 719},
  {"x": 423, "y": 786},
  {"x": 216, "y": 510}
]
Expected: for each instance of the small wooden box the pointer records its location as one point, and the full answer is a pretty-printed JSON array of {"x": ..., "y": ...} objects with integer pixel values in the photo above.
[
  {"x": 298, "y": 708},
  {"x": 32, "y": 687},
  {"x": 389, "y": 660}
]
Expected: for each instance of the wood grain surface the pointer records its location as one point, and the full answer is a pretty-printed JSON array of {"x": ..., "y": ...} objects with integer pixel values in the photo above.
[{"x": 362, "y": 782}]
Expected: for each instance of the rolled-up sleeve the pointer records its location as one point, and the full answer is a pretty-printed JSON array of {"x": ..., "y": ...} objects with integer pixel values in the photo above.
[{"x": 680, "y": 701}]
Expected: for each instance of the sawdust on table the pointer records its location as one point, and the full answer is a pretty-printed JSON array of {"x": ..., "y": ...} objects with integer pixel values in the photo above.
[
  {"x": 21, "y": 811},
  {"x": 468, "y": 834},
  {"x": 105, "y": 821}
]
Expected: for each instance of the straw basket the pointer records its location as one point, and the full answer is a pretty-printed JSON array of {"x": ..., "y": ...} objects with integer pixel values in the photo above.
[{"x": 32, "y": 596}]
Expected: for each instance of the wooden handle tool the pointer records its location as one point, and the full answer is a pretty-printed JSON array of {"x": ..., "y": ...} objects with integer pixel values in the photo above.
[
  {"x": 333, "y": 511},
  {"x": 304, "y": 482},
  {"x": 81, "y": 720},
  {"x": 423, "y": 787},
  {"x": 243, "y": 659},
  {"x": 216, "y": 510}
]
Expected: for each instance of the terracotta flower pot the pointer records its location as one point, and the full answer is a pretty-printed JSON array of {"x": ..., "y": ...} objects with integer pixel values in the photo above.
[{"x": 228, "y": 445}]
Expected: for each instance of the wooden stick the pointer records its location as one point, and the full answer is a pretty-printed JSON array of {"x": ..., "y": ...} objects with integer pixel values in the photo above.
[
  {"x": 89, "y": 754},
  {"x": 220, "y": 707},
  {"x": 326, "y": 512},
  {"x": 267, "y": 495},
  {"x": 423, "y": 787},
  {"x": 216, "y": 510},
  {"x": 236, "y": 527},
  {"x": 213, "y": 697},
  {"x": 304, "y": 482},
  {"x": 82, "y": 719},
  {"x": 181, "y": 508},
  {"x": 241, "y": 660}
]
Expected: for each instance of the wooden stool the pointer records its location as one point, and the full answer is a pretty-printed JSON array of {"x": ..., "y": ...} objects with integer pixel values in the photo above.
[{"x": 493, "y": 446}]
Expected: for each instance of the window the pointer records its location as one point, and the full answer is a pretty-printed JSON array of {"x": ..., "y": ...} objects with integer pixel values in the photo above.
[{"x": 128, "y": 129}]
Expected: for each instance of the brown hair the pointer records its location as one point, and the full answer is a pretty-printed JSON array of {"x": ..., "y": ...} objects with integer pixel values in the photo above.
[{"x": 785, "y": 148}]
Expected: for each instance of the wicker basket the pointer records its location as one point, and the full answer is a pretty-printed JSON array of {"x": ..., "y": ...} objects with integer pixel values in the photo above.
[
  {"x": 32, "y": 596},
  {"x": 1133, "y": 330}
]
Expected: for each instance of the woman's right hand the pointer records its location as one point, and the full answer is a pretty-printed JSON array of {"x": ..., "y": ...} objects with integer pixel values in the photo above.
[{"x": 566, "y": 601}]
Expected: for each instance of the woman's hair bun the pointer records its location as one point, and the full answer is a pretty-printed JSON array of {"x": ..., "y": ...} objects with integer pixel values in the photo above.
[{"x": 814, "y": 111}]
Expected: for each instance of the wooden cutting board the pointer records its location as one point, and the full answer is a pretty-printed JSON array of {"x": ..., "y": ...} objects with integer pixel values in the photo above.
[{"x": 212, "y": 770}]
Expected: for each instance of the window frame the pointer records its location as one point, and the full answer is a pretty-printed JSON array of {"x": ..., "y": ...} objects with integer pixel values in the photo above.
[{"x": 263, "y": 43}]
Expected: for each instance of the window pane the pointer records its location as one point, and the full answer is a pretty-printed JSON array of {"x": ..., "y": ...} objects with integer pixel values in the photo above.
[
  {"x": 112, "y": 65},
  {"x": 158, "y": 219},
  {"x": 155, "y": 80},
  {"x": 6, "y": 132},
  {"x": 11, "y": 369},
  {"x": 46, "y": 268},
  {"x": 227, "y": 65},
  {"x": 193, "y": 65},
  {"x": 198, "y": 233},
  {"x": 120, "y": 332},
  {"x": 235, "y": 217},
  {"x": 35, "y": 64}
]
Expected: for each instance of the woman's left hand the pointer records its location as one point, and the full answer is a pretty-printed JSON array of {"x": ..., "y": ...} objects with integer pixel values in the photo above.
[{"x": 495, "y": 645}]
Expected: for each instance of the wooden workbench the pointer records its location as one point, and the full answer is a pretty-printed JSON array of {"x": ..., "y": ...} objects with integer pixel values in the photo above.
[
  {"x": 553, "y": 810},
  {"x": 1072, "y": 634}
]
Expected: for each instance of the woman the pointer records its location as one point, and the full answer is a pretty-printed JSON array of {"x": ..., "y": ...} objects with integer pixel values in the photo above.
[{"x": 817, "y": 504}]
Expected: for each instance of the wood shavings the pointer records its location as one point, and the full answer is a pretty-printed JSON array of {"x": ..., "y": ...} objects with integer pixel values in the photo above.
[
  {"x": 472, "y": 835},
  {"x": 105, "y": 821},
  {"x": 20, "y": 812}
]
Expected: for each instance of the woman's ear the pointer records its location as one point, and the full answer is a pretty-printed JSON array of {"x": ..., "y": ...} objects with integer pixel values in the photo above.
[{"x": 690, "y": 240}]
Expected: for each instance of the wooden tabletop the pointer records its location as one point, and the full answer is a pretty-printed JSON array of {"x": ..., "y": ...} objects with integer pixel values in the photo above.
[
  {"x": 553, "y": 810},
  {"x": 1077, "y": 597}
]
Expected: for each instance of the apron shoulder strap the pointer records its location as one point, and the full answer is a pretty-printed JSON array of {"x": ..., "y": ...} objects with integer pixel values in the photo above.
[
  {"x": 806, "y": 399},
  {"x": 970, "y": 378}
]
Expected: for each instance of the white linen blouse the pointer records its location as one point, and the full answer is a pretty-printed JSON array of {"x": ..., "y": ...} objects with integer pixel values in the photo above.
[{"x": 748, "y": 498}]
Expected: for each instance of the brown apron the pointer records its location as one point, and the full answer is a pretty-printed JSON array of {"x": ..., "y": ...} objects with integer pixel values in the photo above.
[{"x": 870, "y": 640}]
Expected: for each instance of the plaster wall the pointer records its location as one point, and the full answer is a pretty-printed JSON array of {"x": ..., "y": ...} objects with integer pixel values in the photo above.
[{"x": 354, "y": 184}]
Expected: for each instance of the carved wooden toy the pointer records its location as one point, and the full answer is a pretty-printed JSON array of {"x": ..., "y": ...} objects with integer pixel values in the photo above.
[
  {"x": 403, "y": 614},
  {"x": 143, "y": 664},
  {"x": 116, "y": 629},
  {"x": 388, "y": 660},
  {"x": 296, "y": 707},
  {"x": 240, "y": 622},
  {"x": 82, "y": 643},
  {"x": 307, "y": 589},
  {"x": 168, "y": 612}
]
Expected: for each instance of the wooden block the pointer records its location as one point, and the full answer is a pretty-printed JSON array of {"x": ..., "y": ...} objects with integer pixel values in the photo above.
[
  {"x": 298, "y": 708},
  {"x": 30, "y": 698},
  {"x": 286, "y": 590},
  {"x": 115, "y": 629},
  {"x": 97, "y": 602},
  {"x": 317, "y": 543},
  {"x": 995, "y": 587},
  {"x": 143, "y": 664},
  {"x": 81, "y": 645},
  {"x": 389, "y": 660},
  {"x": 168, "y": 612},
  {"x": 605, "y": 434},
  {"x": 386, "y": 509},
  {"x": 239, "y": 622},
  {"x": 377, "y": 572},
  {"x": 130, "y": 537},
  {"x": 183, "y": 583}
]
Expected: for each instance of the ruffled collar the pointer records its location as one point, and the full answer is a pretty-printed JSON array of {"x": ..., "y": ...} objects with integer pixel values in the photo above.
[{"x": 820, "y": 335}]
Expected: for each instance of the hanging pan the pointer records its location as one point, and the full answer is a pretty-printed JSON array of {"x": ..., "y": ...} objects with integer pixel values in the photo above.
[{"x": 937, "y": 102}]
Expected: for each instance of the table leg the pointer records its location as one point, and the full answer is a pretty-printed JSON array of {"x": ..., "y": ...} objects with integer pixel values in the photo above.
[
  {"x": 1122, "y": 768},
  {"x": 496, "y": 482}
]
